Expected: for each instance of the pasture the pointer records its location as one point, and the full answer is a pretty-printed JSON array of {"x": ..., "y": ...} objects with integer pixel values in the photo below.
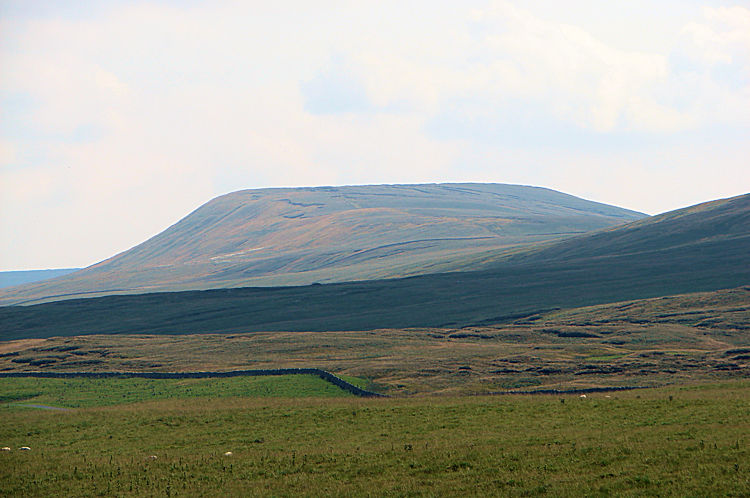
[
  {"x": 684, "y": 441},
  {"x": 88, "y": 392}
]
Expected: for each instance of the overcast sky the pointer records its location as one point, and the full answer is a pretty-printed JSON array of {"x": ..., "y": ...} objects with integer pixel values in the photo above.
[{"x": 118, "y": 118}]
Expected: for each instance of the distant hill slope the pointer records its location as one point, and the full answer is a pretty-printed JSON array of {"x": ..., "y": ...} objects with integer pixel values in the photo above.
[
  {"x": 703, "y": 248},
  {"x": 722, "y": 224},
  {"x": 20, "y": 277},
  {"x": 332, "y": 234}
]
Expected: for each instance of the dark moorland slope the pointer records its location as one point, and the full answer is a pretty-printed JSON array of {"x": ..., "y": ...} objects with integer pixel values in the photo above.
[
  {"x": 713, "y": 228},
  {"x": 331, "y": 234},
  {"x": 702, "y": 248}
]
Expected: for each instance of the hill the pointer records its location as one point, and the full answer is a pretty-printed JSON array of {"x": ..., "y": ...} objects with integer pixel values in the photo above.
[
  {"x": 721, "y": 226},
  {"x": 707, "y": 247},
  {"x": 331, "y": 234}
]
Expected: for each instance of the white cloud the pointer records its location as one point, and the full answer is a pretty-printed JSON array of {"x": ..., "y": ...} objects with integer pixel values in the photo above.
[
  {"x": 504, "y": 53},
  {"x": 601, "y": 87},
  {"x": 722, "y": 36}
]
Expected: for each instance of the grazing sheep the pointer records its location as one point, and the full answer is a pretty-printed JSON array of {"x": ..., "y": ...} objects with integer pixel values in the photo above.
[
  {"x": 152, "y": 457},
  {"x": 582, "y": 396},
  {"x": 4, "y": 448},
  {"x": 24, "y": 448},
  {"x": 228, "y": 453}
]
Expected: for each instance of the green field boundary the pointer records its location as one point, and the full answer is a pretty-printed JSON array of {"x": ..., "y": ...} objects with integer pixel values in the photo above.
[{"x": 323, "y": 374}]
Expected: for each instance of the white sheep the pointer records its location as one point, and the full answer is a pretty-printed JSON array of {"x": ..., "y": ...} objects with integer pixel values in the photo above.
[
  {"x": 582, "y": 396},
  {"x": 228, "y": 453},
  {"x": 4, "y": 448},
  {"x": 24, "y": 448}
]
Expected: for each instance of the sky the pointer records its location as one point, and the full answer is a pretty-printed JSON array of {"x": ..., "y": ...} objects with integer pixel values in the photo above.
[{"x": 118, "y": 118}]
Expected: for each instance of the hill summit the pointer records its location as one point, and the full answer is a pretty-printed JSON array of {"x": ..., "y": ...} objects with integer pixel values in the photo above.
[{"x": 298, "y": 236}]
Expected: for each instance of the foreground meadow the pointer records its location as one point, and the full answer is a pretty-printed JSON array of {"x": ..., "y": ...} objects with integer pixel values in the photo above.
[{"x": 689, "y": 441}]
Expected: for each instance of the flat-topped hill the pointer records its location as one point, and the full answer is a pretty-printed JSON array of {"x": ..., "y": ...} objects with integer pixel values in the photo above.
[
  {"x": 703, "y": 248},
  {"x": 299, "y": 236}
]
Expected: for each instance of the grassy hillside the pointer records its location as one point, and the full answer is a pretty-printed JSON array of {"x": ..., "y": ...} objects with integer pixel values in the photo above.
[
  {"x": 446, "y": 300},
  {"x": 704, "y": 251},
  {"x": 689, "y": 441},
  {"x": 724, "y": 223},
  {"x": 332, "y": 234}
]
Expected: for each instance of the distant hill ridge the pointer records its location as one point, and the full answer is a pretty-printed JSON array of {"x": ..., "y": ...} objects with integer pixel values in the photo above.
[
  {"x": 298, "y": 236},
  {"x": 723, "y": 221},
  {"x": 718, "y": 228},
  {"x": 702, "y": 248}
]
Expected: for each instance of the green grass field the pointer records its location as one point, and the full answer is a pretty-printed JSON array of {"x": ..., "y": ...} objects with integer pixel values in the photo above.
[
  {"x": 83, "y": 392},
  {"x": 687, "y": 441}
]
